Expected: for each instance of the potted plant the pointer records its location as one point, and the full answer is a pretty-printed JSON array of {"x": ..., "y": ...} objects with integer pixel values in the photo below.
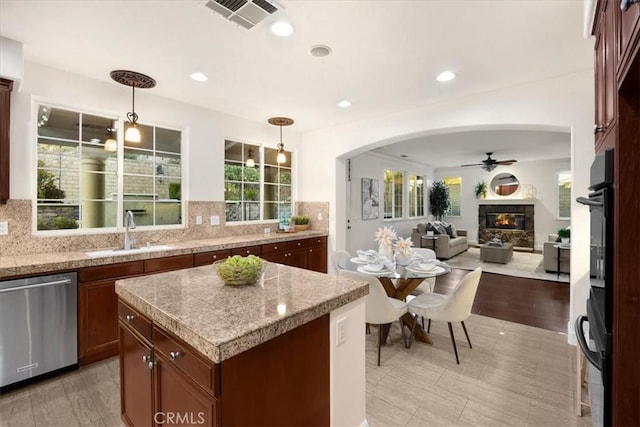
[
  {"x": 301, "y": 222},
  {"x": 565, "y": 235},
  {"x": 439, "y": 199},
  {"x": 481, "y": 190}
]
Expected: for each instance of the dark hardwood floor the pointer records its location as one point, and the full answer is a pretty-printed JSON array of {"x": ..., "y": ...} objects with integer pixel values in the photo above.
[{"x": 538, "y": 303}]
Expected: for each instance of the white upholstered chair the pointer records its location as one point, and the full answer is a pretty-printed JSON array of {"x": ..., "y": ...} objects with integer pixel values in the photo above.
[
  {"x": 339, "y": 257},
  {"x": 380, "y": 309},
  {"x": 428, "y": 284},
  {"x": 455, "y": 307}
]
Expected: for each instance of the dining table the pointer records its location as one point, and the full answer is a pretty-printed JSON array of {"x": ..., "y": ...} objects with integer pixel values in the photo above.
[{"x": 399, "y": 282}]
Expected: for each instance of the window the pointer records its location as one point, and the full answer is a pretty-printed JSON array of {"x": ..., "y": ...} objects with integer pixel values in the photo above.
[
  {"x": 416, "y": 196},
  {"x": 83, "y": 182},
  {"x": 564, "y": 195},
  {"x": 393, "y": 194},
  {"x": 259, "y": 192},
  {"x": 454, "y": 185}
]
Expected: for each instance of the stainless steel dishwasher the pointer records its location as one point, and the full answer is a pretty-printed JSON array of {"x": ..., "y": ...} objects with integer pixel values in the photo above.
[{"x": 38, "y": 328}]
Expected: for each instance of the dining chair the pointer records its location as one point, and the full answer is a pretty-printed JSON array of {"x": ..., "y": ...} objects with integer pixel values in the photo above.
[
  {"x": 380, "y": 309},
  {"x": 455, "y": 307},
  {"x": 429, "y": 283},
  {"x": 339, "y": 257}
]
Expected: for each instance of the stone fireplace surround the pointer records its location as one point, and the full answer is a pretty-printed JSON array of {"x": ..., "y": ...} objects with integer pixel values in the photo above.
[{"x": 519, "y": 238}]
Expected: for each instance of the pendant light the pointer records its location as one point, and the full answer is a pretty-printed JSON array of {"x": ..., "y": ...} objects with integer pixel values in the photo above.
[
  {"x": 135, "y": 80},
  {"x": 110, "y": 144},
  {"x": 281, "y": 121},
  {"x": 250, "y": 163}
]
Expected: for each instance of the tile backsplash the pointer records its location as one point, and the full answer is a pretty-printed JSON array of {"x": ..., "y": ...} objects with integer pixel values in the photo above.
[{"x": 21, "y": 241}]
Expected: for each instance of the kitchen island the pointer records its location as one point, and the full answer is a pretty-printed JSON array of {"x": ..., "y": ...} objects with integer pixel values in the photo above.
[{"x": 196, "y": 351}]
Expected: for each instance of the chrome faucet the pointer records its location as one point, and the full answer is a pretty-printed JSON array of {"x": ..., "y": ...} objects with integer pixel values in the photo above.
[{"x": 129, "y": 224}]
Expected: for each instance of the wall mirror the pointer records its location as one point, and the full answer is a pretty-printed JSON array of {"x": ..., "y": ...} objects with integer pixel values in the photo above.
[{"x": 504, "y": 184}]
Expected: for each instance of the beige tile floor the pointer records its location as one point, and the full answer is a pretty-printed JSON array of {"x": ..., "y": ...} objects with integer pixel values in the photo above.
[{"x": 515, "y": 375}]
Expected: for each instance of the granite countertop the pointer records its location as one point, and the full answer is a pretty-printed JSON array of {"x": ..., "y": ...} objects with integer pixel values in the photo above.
[
  {"x": 22, "y": 265},
  {"x": 222, "y": 321}
]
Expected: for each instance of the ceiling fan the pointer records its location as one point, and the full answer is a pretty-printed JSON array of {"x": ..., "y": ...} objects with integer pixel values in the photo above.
[{"x": 490, "y": 164}]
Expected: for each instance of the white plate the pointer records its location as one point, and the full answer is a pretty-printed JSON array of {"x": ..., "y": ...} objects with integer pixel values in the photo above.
[
  {"x": 383, "y": 272},
  {"x": 357, "y": 260},
  {"x": 435, "y": 270},
  {"x": 374, "y": 268}
]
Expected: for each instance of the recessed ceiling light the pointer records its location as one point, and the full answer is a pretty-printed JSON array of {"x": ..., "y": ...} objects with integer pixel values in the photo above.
[
  {"x": 320, "y": 51},
  {"x": 199, "y": 77},
  {"x": 282, "y": 28},
  {"x": 345, "y": 103},
  {"x": 445, "y": 76}
]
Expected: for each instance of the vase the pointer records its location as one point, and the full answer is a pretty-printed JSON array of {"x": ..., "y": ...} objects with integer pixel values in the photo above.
[
  {"x": 565, "y": 240},
  {"x": 385, "y": 250}
]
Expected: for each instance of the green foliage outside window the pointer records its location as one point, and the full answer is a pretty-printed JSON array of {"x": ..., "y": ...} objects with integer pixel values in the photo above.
[{"x": 47, "y": 188}]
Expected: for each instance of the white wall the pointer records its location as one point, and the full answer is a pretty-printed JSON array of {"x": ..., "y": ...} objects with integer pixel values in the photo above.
[
  {"x": 205, "y": 130},
  {"x": 563, "y": 103},
  {"x": 541, "y": 174},
  {"x": 372, "y": 165}
]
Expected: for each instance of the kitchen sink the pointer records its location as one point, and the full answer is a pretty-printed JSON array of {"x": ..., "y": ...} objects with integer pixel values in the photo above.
[{"x": 116, "y": 252}]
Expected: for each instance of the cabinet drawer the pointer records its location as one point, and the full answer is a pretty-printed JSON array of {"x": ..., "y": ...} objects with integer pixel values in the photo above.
[
  {"x": 207, "y": 258},
  {"x": 100, "y": 272},
  {"x": 296, "y": 244},
  {"x": 247, "y": 250},
  {"x": 168, "y": 263},
  {"x": 185, "y": 359},
  {"x": 317, "y": 241},
  {"x": 274, "y": 248},
  {"x": 135, "y": 320}
]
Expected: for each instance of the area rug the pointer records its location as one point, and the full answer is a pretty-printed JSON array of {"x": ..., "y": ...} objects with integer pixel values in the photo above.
[{"x": 523, "y": 264}]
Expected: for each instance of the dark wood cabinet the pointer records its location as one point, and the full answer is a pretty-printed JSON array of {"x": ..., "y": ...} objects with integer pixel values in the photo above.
[
  {"x": 628, "y": 38},
  {"x": 206, "y": 258},
  {"x": 6, "y": 86},
  {"x": 310, "y": 253},
  {"x": 163, "y": 380},
  {"x": 98, "y": 309},
  {"x": 178, "y": 262},
  {"x": 317, "y": 254},
  {"x": 620, "y": 30},
  {"x": 284, "y": 381},
  {"x": 247, "y": 250},
  {"x": 605, "y": 77},
  {"x": 136, "y": 365}
]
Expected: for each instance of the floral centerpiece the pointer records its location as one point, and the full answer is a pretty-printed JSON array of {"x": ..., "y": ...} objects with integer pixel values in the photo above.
[
  {"x": 385, "y": 237},
  {"x": 403, "y": 250}
]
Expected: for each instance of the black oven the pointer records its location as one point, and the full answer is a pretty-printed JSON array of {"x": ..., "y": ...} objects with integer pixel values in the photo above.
[{"x": 600, "y": 301}]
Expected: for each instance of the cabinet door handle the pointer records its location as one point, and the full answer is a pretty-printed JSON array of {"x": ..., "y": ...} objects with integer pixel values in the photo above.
[
  {"x": 151, "y": 365},
  {"x": 146, "y": 359},
  {"x": 626, "y": 4},
  {"x": 174, "y": 355},
  {"x": 599, "y": 128},
  {"x": 130, "y": 318}
]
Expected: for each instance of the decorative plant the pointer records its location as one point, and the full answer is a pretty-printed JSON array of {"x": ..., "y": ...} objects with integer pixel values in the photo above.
[
  {"x": 47, "y": 188},
  {"x": 385, "y": 237},
  {"x": 300, "y": 219},
  {"x": 481, "y": 189},
  {"x": 564, "y": 233},
  {"x": 403, "y": 246},
  {"x": 62, "y": 223},
  {"x": 439, "y": 199}
]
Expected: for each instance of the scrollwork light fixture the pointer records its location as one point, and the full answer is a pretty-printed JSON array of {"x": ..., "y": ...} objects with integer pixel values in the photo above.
[{"x": 135, "y": 80}]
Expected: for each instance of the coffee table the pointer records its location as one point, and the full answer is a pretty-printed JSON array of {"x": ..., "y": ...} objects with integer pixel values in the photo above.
[{"x": 498, "y": 254}]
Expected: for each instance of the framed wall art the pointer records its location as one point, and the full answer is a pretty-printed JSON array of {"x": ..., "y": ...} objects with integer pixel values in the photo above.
[{"x": 370, "y": 198}]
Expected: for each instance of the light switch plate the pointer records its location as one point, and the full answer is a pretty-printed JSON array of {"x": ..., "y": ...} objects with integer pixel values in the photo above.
[
  {"x": 215, "y": 220},
  {"x": 4, "y": 228},
  {"x": 199, "y": 219},
  {"x": 341, "y": 331}
]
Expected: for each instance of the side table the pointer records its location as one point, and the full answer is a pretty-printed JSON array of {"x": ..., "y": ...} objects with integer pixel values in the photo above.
[
  {"x": 559, "y": 247},
  {"x": 433, "y": 241}
]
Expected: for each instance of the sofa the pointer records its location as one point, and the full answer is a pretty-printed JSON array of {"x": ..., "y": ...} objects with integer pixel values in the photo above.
[
  {"x": 550, "y": 256},
  {"x": 449, "y": 242}
]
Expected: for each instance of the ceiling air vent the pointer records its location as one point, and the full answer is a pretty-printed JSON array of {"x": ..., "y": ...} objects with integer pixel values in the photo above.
[{"x": 245, "y": 13}]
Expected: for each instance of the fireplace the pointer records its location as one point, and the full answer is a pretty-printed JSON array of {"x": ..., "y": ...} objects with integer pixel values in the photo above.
[
  {"x": 506, "y": 221},
  {"x": 511, "y": 223}
]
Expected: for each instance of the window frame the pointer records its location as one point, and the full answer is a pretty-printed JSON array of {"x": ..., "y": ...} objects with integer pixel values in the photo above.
[
  {"x": 449, "y": 212},
  {"x": 416, "y": 196},
  {"x": 119, "y": 126},
  {"x": 557, "y": 183},
  {"x": 394, "y": 204},
  {"x": 262, "y": 164}
]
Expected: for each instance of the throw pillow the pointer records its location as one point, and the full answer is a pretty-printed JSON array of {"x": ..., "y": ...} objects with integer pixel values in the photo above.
[
  {"x": 451, "y": 231},
  {"x": 439, "y": 229}
]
